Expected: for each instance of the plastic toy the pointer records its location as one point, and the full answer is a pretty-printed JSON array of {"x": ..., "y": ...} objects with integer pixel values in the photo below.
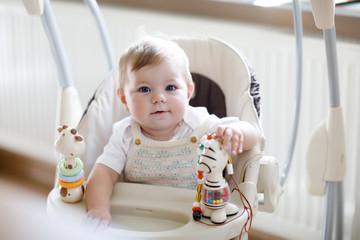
[
  {"x": 70, "y": 169},
  {"x": 216, "y": 191}
]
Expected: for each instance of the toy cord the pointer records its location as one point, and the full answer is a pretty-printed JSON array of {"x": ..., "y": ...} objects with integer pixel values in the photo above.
[{"x": 247, "y": 208}]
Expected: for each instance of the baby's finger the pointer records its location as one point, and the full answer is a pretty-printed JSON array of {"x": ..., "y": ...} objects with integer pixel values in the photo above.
[
  {"x": 234, "y": 144},
  {"x": 102, "y": 224},
  {"x": 227, "y": 137},
  {"x": 220, "y": 131},
  {"x": 86, "y": 219},
  {"x": 92, "y": 222},
  {"x": 241, "y": 143}
]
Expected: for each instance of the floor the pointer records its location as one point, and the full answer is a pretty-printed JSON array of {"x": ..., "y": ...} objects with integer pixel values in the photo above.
[
  {"x": 21, "y": 203},
  {"x": 23, "y": 214},
  {"x": 17, "y": 187}
]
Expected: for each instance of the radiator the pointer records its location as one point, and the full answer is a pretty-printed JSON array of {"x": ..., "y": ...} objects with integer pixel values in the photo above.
[
  {"x": 299, "y": 215},
  {"x": 28, "y": 80},
  {"x": 29, "y": 90}
]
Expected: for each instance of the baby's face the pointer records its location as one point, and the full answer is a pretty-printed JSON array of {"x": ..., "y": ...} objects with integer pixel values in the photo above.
[{"x": 157, "y": 96}]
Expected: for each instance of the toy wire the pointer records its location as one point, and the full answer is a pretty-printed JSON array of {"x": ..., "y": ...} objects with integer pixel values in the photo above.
[{"x": 247, "y": 208}]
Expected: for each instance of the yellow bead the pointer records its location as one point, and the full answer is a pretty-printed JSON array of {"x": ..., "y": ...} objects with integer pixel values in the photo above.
[
  {"x": 198, "y": 197},
  {"x": 193, "y": 139},
  {"x": 137, "y": 141}
]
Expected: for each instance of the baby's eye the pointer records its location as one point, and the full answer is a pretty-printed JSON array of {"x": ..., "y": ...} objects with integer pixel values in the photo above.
[
  {"x": 144, "y": 89},
  {"x": 170, "y": 88}
]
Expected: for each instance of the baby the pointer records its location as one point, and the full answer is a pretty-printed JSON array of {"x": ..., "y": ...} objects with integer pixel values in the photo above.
[{"x": 157, "y": 143}]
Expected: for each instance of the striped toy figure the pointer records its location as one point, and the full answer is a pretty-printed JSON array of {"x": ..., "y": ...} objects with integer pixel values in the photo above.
[
  {"x": 214, "y": 190},
  {"x": 70, "y": 169}
]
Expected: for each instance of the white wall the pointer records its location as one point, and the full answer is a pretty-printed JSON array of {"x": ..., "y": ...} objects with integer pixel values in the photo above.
[{"x": 28, "y": 99}]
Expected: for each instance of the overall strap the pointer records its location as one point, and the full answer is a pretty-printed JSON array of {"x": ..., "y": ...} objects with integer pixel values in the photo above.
[{"x": 201, "y": 130}]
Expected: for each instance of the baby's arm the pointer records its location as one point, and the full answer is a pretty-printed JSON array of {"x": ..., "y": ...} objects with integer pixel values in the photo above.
[
  {"x": 242, "y": 136},
  {"x": 98, "y": 193}
]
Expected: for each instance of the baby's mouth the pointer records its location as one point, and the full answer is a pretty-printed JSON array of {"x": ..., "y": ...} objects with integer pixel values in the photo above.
[{"x": 159, "y": 112}]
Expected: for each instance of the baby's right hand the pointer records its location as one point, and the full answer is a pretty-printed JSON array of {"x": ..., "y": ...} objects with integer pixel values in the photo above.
[{"x": 98, "y": 218}]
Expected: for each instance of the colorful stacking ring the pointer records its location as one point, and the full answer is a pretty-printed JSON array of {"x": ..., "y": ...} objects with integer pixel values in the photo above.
[
  {"x": 75, "y": 178},
  {"x": 70, "y": 172},
  {"x": 71, "y": 184}
]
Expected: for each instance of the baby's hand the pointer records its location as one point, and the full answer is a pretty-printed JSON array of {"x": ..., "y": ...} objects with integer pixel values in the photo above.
[
  {"x": 98, "y": 218},
  {"x": 231, "y": 133}
]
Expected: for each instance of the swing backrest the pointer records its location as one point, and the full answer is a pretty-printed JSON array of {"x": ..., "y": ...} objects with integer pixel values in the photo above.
[{"x": 224, "y": 83}]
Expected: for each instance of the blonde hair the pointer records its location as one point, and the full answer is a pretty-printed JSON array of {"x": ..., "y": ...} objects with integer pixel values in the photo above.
[{"x": 151, "y": 51}]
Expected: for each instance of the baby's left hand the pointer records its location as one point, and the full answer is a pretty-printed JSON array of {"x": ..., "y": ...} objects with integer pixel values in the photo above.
[{"x": 231, "y": 133}]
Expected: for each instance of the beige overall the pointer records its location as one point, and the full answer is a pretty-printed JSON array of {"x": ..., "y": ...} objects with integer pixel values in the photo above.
[{"x": 166, "y": 163}]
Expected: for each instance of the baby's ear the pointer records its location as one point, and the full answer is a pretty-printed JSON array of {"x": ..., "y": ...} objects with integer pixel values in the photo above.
[
  {"x": 190, "y": 91},
  {"x": 122, "y": 97}
]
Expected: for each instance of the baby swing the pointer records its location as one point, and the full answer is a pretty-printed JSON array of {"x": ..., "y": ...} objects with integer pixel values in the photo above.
[
  {"x": 129, "y": 207},
  {"x": 256, "y": 175}
]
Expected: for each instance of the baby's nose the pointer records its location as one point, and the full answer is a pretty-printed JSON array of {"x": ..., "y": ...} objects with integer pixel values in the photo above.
[{"x": 158, "y": 97}]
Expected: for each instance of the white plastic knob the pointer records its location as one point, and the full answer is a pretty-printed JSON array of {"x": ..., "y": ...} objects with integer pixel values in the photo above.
[{"x": 324, "y": 13}]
